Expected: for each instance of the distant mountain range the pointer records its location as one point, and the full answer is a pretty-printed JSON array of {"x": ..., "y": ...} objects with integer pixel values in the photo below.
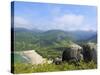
[{"x": 52, "y": 37}]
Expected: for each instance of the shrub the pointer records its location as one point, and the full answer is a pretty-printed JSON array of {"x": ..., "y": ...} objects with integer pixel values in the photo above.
[{"x": 29, "y": 68}]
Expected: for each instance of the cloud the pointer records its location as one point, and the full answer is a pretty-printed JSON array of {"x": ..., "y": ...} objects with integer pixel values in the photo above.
[
  {"x": 55, "y": 17},
  {"x": 21, "y": 22},
  {"x": 65, "y": 22},
  {"x": 69, "y": 20},
  {"x": 88, "y": 27}
]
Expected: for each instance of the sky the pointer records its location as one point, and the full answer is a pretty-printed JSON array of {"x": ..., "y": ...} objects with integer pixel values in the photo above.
[{"x": 46, "y": 16}]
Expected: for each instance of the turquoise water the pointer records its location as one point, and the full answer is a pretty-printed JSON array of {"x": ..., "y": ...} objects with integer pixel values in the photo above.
[{"x": 19, "y": 58}]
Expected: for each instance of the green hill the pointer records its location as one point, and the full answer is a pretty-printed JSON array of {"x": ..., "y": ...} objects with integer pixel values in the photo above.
[{"x": 49, "y": 43}]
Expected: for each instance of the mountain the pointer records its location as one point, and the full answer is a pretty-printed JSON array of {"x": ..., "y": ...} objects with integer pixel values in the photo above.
[
  {"x": 82, "y": 35},
  {"x": 93, "y": 38},
  {"x": 21, "y": 30},
  {"x": 53, "y": 37},
  {"x": 57, "y": 34},
  {"x": 42, "y": 38},
  {"x": 27, "y": 39},
  {"x": 27, "y": 30}
]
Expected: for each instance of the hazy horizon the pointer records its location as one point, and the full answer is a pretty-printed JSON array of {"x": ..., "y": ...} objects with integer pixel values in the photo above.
[
  {"x": 46, "y": 16},
  {"x": 53, "y": 29}
]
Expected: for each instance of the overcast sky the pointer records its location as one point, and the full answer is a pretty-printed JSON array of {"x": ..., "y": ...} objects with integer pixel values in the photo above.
[{"x": 46, "y": 16}]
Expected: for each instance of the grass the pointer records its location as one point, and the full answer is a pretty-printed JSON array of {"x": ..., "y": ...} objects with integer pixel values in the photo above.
[{"x": 29, "y": 68}]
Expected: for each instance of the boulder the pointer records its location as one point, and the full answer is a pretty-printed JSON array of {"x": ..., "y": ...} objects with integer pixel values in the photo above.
[
  {"x": 72, "y": 53},
  {"x": 90, "y": 52}
]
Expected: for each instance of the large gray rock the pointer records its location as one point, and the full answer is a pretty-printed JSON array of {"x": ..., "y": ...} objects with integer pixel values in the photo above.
[
  {"x": 90, "y": 52},
  {"x": 72, "y": 53}
]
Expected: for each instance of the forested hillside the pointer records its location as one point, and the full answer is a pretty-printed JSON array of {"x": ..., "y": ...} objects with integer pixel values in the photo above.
[{"x": 49, "y": 43}]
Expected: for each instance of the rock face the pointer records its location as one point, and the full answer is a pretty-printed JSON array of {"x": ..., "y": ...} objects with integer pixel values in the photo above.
[
  {"x": 72, "y": 53},
  {"x": 90, "y": 52}
]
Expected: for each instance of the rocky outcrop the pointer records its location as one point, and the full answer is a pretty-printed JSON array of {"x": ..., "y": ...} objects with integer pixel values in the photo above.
[
  {"x": 90, "y": 52},
  {"x": 72, "y": 53}
]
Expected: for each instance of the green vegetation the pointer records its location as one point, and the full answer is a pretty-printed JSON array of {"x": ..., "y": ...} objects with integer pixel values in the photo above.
[
  {"x": 48, "y": 44},
  {"x": 29, "y": 68}
]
